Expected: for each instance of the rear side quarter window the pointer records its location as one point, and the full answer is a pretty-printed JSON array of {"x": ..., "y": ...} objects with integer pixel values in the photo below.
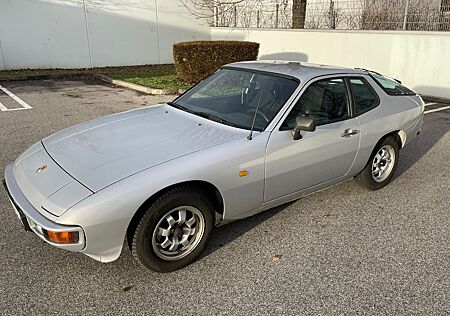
[
  {"x": 391, "y": 86},
  {"x": 364, "y": 96}
]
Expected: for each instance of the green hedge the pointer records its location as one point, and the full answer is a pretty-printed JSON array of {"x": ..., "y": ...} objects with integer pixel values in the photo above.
[{"x": 198, "y": 59}]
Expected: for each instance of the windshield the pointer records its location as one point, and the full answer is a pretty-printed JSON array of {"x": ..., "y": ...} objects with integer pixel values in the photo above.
[{"x": 233, "y": 97}]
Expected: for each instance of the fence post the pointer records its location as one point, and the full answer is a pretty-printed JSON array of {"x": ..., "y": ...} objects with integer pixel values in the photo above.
[
  {"x": 276, "y": 16},
  {"x": 235, "y": 16},
  {"x": 216, "y": 16},
  {"x": 405, "y": 19},
  {"x": 257, "y": 19}
]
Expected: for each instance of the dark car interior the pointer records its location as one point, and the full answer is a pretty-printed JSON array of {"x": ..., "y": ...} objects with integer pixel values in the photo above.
[
  {"x": 323, "y": 101},
  {"x": 242, "y": 97}
]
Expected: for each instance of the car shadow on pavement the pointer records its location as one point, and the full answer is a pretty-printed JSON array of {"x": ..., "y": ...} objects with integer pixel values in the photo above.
[
  {"x": 423, "y": 143},
  {"x": 226, "y": 234}
]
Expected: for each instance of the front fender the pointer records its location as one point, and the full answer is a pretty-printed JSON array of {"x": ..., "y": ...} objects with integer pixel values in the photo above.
[{"x": 105, "y": 215}]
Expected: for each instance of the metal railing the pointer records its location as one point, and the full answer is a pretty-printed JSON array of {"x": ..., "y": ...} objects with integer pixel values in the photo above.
[{"x": 417, "y": 15}]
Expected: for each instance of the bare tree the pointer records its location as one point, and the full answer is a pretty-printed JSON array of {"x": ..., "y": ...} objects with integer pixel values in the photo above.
[
  {"x": 445, "y": 16},
  {"x": 333, "y": 18},
  {"x": 298, "y": 14},
  {"x": 212, "y": 10},
  {"x": 243, "y": 13},
  {"x": 325, "y": 14},
  {"x": 382, "y": 15}
]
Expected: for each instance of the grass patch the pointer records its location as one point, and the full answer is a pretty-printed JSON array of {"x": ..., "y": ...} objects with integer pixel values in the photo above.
[{"x": 154, "y": 76}]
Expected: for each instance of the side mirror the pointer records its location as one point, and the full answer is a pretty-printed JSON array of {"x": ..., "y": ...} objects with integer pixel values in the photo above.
[{"x": 303, "y": 124}]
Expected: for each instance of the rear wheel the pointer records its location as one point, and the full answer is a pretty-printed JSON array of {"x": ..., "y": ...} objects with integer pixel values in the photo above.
[
  {"x": 381, "y": 166},
  {"x": 174, "y": 231}
]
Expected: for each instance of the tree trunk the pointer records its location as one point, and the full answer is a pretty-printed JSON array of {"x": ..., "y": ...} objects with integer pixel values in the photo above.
[{"x": 298, "y": 14}]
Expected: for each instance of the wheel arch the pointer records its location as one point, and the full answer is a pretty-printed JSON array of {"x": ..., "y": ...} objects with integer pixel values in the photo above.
[
  {"x": 398, "y": 135},
  {"x": 210, "y": 190}
]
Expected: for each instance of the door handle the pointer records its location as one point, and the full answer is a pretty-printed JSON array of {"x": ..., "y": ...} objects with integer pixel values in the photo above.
[{"x": 349, "y": 132}]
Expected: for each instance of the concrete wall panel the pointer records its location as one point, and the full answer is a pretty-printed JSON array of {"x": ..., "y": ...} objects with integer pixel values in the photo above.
[
  {"x": 420, "y": 59},
  {"x": 93, "y": 33}
]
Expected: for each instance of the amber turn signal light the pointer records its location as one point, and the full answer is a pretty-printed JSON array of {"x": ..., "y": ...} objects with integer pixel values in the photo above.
[
  {"x": 243, "y": 173},
  {"x": 62, "y": 237}
]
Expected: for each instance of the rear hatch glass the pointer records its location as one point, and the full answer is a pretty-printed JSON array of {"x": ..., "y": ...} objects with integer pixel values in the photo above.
[{"x": 391, "y": 86}]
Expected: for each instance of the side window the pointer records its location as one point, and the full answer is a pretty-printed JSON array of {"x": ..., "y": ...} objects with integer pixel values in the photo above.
[
  {"x": 364, "y": 97},
  {"x": 325, "y": 101}
]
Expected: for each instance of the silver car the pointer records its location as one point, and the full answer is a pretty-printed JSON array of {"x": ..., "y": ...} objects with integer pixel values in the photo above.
[{"x": 251, "y": 136}]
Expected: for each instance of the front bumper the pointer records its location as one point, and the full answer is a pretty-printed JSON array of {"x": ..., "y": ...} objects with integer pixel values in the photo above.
[{"x": 33, "y": 220}]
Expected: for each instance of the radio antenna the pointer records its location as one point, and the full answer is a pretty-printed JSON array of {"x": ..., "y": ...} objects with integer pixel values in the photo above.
[{"x": 250, "y": 137}]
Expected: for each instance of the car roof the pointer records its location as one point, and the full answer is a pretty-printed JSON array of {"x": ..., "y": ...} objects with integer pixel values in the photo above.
[{"x": 300, "y": 70}]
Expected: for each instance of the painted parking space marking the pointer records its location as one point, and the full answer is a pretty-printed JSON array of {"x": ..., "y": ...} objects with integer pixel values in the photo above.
[
  {"x": 25, "y": 106},
  {"x": 438, "y": 109},
  {"x": 2, "y": 107},
  {"x": 432, "y": 103}
]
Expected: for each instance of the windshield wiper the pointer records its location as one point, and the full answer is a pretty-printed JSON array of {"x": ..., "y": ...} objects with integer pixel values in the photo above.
[
  {"x": 179, "y": 107},
  {"x": 210, "y": 116},
  {"x": 217, "y": 119},
  {"x": 206, "y": 115}
]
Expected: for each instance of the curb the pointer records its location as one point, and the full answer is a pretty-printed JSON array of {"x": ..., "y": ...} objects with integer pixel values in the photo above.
[{"x": 138, "y": 87}]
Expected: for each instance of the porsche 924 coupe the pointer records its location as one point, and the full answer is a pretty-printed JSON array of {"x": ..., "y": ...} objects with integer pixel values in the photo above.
[{"x": 251, "y": 136}]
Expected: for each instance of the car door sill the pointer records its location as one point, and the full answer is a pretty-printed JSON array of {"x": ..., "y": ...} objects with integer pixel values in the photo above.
[{"x": 302, "y": 193}]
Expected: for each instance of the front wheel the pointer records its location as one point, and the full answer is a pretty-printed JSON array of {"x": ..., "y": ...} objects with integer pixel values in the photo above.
[
  {"x": 381, "y": 166},
  {"x": 174, "y": 231}
]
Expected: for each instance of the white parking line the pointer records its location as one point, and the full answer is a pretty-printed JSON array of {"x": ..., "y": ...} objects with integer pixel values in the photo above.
[
  {"x": 432, "y": 103},
  {"x": 437, "y": 110},
  {"x": 3, "y": 108},
  {"x": 15, "y": 98}
]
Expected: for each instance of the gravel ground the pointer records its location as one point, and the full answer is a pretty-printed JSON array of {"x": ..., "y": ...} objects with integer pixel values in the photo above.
[{"x": 344, "y": 250}]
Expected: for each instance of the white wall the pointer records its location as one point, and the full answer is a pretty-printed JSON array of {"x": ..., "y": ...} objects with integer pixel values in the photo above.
[
  {"x": 92, "y": 33},
  {"x": 420, "y": 59}
]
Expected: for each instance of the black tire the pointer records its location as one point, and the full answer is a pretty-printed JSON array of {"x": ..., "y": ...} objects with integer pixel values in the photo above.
[
  {"x": 367, "y": 179},
  {"x": 142, "y": 247}
]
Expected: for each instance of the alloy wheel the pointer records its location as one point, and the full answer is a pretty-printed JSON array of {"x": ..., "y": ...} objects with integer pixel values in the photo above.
[
  {"x": 383, "y": 163},
  {"x": 178, "y": 233}
]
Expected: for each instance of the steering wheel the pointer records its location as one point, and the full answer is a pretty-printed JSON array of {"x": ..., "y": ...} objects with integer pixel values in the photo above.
[{"x": 250, "y": 111}]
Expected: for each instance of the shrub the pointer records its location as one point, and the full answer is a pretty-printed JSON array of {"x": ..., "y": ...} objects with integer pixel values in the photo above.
[{"x": 198, "y": 59}]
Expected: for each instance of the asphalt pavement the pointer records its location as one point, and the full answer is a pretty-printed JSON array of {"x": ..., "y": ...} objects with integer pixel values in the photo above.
[{"x": 342, "y": 251}]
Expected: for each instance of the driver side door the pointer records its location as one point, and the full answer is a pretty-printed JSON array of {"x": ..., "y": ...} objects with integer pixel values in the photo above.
[{"x": 319, "y": 157}]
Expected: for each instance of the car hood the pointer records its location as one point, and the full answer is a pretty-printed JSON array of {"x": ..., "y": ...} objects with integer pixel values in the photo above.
[{"x": 106, "y": 150}]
